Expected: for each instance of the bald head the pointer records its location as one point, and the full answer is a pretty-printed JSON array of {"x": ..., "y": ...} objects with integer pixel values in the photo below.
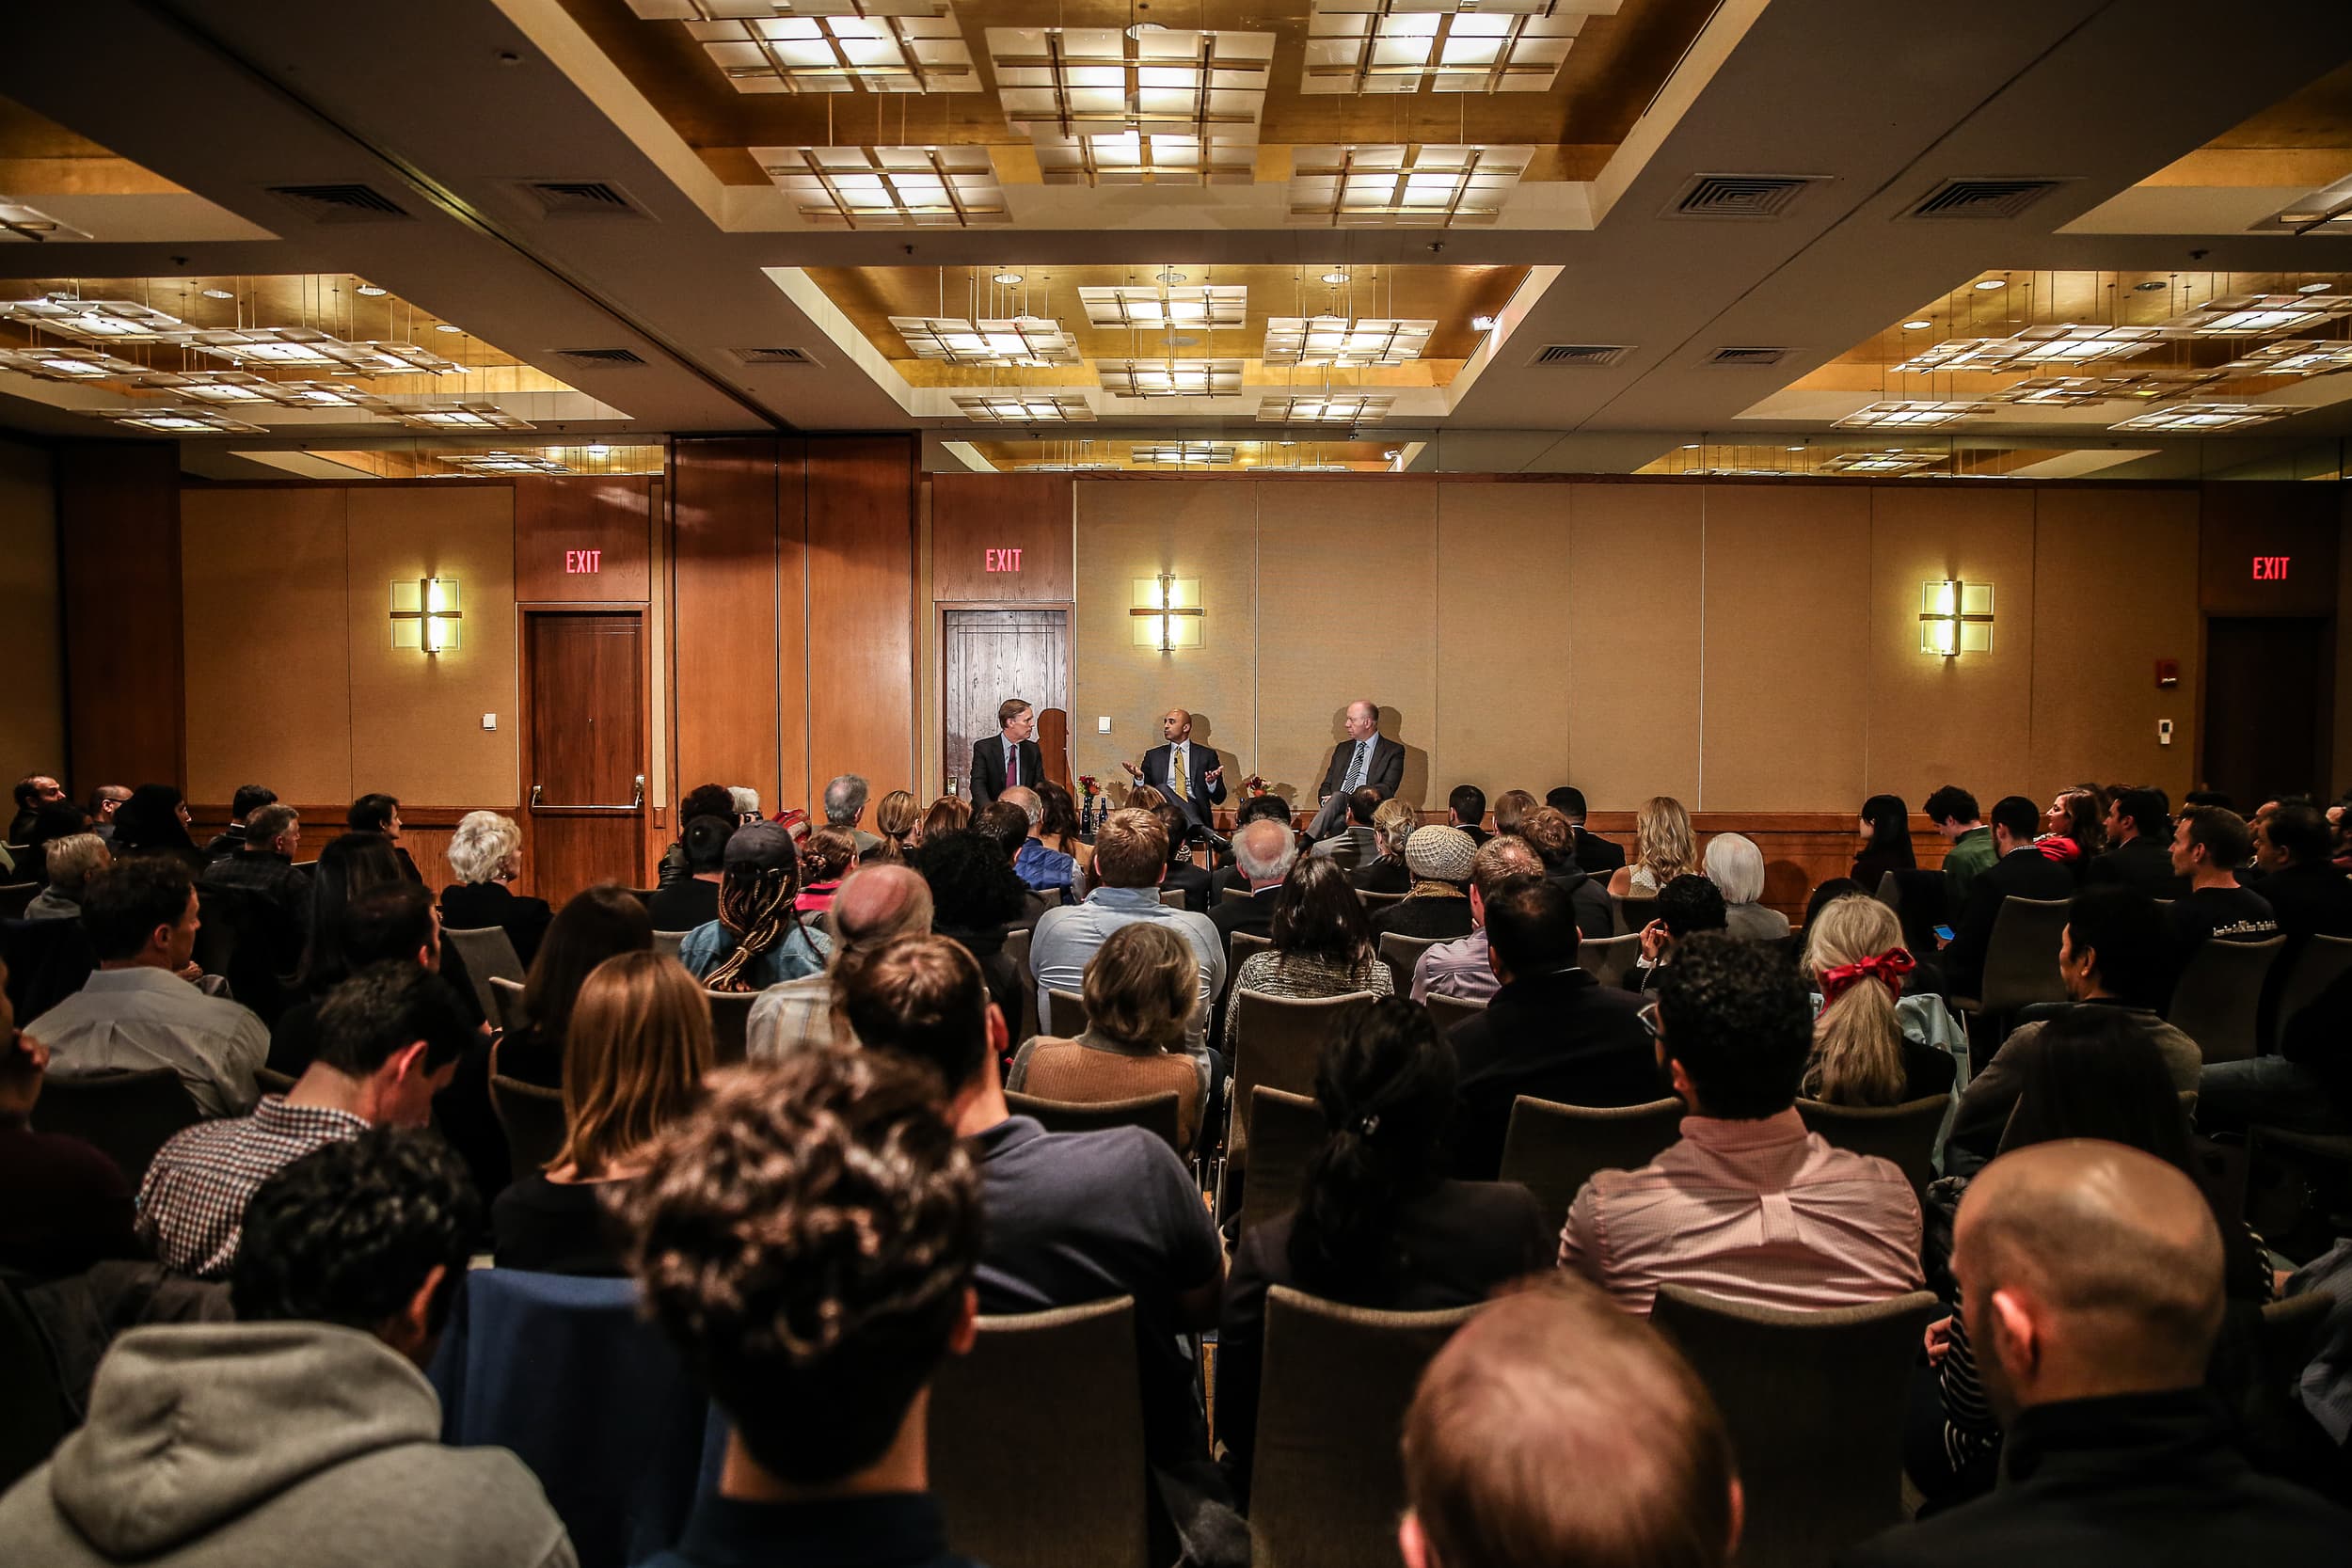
[
  {"x": 1263, "y": 850},
  {"x": 2087, "y": 1269},
  {"x": 877, "y": 905},
  {"x": 1027, "y": 800}
]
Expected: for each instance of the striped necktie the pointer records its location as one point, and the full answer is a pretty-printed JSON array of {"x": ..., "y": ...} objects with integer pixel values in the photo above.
[{"x": 1357, "y": 770}]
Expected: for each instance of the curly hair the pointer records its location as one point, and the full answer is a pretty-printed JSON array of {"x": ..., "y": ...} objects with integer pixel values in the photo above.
[
  {"x": 1738, "y": 1019},
  {"x": 483, "y": 844},
  {"x": 826, "y": 855},
  {"x": 808, "y": 1239},
  {"x": 756, "y": 907},
  {"x": 973, "y": 888}
]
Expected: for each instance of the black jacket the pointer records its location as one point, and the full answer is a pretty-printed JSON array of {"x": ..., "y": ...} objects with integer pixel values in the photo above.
[
  {"x": 988, "y": 769},
  {"x": 1596, "y": 855},
  {"x": 2025, "y": 872},
  {"x": 1589, "y": 896},
  {"x": 475, "y": 906},
  {"x": 1386, "y": 874},
  {"x": 2308, "y": 901},
  {"x": 1254, "y": 914},
  {"x": 1201, "y": 798},
  {"x": 1385, "y": 773},
  {"x": 2142, "y": 862},
  {"x": 1192, "y": 881},
  {"x": 1562, "y": 1037}
]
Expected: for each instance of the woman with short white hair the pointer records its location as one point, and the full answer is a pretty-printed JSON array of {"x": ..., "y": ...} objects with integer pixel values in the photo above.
[
  {"x": 486, "y": 853},
  {"x": 1735, "y": 866}
]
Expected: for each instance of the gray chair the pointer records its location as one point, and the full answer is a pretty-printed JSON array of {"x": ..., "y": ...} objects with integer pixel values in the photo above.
[
  {"x": 1447, "y": 1011},
  {"x": 1278, "y": 1040},
  {"x": 532, "y": 1119},
  {"x": 2316, "y": 967},
  {"x": 2217, "y": 998},
  {"x": 506, "y": 1003},
  {"x": 1238, "y": 946},
  {"x": 2021, "y": 958},
  {"x": 15, "y": 897},
  {"x": 1154, "y": 1113},
  {"x": 1065, "y": 1014},
  {"x": 666, "y": 942},
  {"x": 1552, "y": 1149},
  {"x": 1326, "y": 1483},
  {"x": 730, "y": 1025},
  {"x": 1285, "y": 1130},
  {"x": 1904, "y": 1133},
  {"x": 1609, "y": 960},
  {"x": 1376, "y": 902},
  {"x": 489, "y": 955},
  {"x": 1630, "y": 915},
  {"x": 128, "y": 1115},
  {"x": 1037, "y": 1440},
  {"x": 1234, "y": 895},
  {"x": 1171, "y": 898},
  {"x": 1815, "y": 1403},
  {"x": 1017, "y": 948},
  {"x": 1401, "y": 953}
]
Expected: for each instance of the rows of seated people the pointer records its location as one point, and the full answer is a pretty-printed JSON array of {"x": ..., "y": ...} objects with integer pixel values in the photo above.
[{"x": 233, "y": 1322}]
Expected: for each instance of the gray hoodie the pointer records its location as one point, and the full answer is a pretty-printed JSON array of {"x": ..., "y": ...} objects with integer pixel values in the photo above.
[{"x": 262, "y": 1445}]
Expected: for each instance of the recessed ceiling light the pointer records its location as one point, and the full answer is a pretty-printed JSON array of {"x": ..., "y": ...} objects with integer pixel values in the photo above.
[
  {"x": 1140, "y": 29},
  {"x": 1482, "y": 324},
  {"x": 444, "y": 326},
  {"x": 1914, "y": 326},
  {"x": 218, "y": 294},
  {"x": 1335, "y": 278},
  {"x": 2313, "y": 288},
  {"x": 373, "y": 292},
  {"x": 1286, "y": 443},
  {"x": 1169, "y": 275},
  {"x": 1689, "y": 446},
  {"x": 1005, "y": 277},
  {"x": 600, "y": 451},
  {"x": 1392, "y": 456},
  {"x": 1993, "y": 283},
  {"x": 2149, "y": 286},
  {"x": 1793, "y": 449}
]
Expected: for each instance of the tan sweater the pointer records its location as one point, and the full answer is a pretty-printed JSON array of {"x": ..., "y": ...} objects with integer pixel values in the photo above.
[{"x": 1088, "y": 1068}]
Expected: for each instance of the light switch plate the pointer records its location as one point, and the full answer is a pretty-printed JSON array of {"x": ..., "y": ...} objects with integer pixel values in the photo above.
[
  {"x": 2164, "y": 732},
  {"x": 489, "y": 720},
  {"x": 1103, "y": 725}
]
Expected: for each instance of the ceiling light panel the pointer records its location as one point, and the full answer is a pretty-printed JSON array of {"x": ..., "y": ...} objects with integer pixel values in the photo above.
[
  {"x": 2065, "y": 344},
  {"x": 183, "y": 422},
  {"x": 307, "y": 346},
  {"x": 458, "y": 416},
  {"x": 504, "y": 463},
  {"x": 1882, "y": 416},
  {"x": 1404, "y": 186},
  {"x": 1885, "y": 462},
  {"x": 1331, "y": 408},
  {"x": 1209, "y": 306},
  {"x": 2199, "y": 419},
  {"x": 2257, "y": 315},
  {"x": 888, "y": 187},
  {"x": 1198, "y": 455},
  {"x": 21, "y": 224},
  {"x": 1027, "y": 343},
  {"x": 2294, "y": 356},
  {"x": 1014, "y": 406},
  {"x": 67, "y": 364},
  {"x": 1069, "y": 467},
  {"x": 1401, "y": 46},
  {"x": 1062, "y": 82},
  {"x": 2073, "y": 391},
  {"x": 244, "y": 387},
  {"x": 826, "y": 46},
  {"x": 119, "y": 321},
  {"x": 1140, "y": 158},
  {"x": 1170, "y": 378},
  {"x": 1350, "y": 343}
]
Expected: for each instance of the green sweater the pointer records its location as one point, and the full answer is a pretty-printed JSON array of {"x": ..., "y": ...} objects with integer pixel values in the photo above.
[{"x": 1970, "y": 853}]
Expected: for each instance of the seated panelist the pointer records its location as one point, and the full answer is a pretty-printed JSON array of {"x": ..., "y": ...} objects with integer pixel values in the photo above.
[{"x": 1190, "y": 777}]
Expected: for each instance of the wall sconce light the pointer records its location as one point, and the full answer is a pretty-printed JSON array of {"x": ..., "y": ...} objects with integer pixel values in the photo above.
[
  {"x": 1167, "y": 612},
  {"x": 1955, "y": 618},
  {"x": 425, "y": 614}
]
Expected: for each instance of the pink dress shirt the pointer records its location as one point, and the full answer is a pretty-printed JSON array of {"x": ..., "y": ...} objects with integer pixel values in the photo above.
[{"x": 1756, "y": 1212}]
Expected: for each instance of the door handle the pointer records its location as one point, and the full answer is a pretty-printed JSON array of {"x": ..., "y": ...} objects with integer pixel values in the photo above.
[
  {"x": 637, "y": 800},
  {"x": 534, "y": 794}
]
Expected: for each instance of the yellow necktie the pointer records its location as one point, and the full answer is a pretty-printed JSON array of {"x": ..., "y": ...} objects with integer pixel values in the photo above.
[{"x": 1176, "y": 771}]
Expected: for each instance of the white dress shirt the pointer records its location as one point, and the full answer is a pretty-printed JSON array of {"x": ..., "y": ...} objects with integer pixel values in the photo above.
[
  {"x": 142, "y": 1018},
  {"x": 1066, "y": 941}
]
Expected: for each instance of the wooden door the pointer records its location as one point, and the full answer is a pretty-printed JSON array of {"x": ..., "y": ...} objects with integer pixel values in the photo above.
[
  {"x": 588, "y": 753},
  {"x": 2268, "y": 685},
  {"x": 992, "y": 655}
]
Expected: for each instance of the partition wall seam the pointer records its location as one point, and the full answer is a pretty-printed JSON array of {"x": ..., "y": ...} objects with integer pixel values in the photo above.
[
  {"x": 1699, "y": 799},
  {"x": 351, "y": 728},
  {"x": 1257, "y": 618},
  {"x": 775, "y": 601},
  {"x": 808, "y": 699}
]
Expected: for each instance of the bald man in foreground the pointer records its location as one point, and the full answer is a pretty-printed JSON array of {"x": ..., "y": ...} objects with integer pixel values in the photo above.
[
  {"x": 876, "y": 905},
  {"x": 2091, "y": 1280}
]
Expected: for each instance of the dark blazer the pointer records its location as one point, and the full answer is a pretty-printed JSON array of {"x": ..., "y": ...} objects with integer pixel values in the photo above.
[
  {"x": 1596, "y": 855},
  {"x": 1589, "y": 896},
  {"x": 1192, "y": 881},
  {"x": 1423, "y": 917},
  {"x": 1202, "y": 795},
  {"x": 474, "y": 907},
  {"x": 1872, "y": 864},
  {"x": 2142, "y": 862},
  {"x": 2025, "y": 872},
  {"x": 988, "y": 769},
  {"x": 1253, "y": 914},
  {"x": 2308, "y": 900},
  {"x": 1562, "y": 1037},
  {"x": 1386, "y": 873},
  {"x": 1386, "y": 774}
]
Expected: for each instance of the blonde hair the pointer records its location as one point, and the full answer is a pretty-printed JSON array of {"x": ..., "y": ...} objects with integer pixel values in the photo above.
[
  {"x": 1735, "y": 866},
  {"x": 1857, "y": 1039},
  {"x": 482, "y": 845},
  {"x": 634, "y": 1058},
  {"x": 1395, "y": 823},
  {"x": 1140, "y": 986},
  {"x": 1662, "y": 841}
]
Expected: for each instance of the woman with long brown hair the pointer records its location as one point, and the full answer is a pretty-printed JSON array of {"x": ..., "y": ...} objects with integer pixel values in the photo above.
[
  {"x": 758, "y": 940},
  {"x": 895, "y": 817},
  {"x": 949, "y": 813}
]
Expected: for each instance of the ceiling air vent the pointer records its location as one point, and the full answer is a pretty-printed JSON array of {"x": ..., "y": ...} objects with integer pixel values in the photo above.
[
  {"x": 1580, "y": 354},
  {"x": 775, "y": 356},
  {"x": 1989, "y": 200},
  {"x": 1740, "y": 196},
  {"x": 345, "y": 204},
  {"x": 601, "y": 357},
  {"x": 1747, "y": 357},
  {"x": 580, "y": 198}
]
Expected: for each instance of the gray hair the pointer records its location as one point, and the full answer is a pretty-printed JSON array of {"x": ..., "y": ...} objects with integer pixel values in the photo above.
[
  {"x": 1031, "y": 803},
  {"x": 844, "y": 799},
  {"x": 72, "y": 858},
  {"x": 268, "y": 824},
  {"x": 746, "y": 800},
  {"x": 1260, "y": 855},
  {"x": 482, "y": 845},
  {"x": 1735, "y": 866}
]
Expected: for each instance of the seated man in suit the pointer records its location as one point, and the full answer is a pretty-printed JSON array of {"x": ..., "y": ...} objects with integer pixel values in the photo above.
[
  {"x": 1190, "y": 777},
  {"x": 1257, "y": 808},
  {"x": 2019, "y": 870},
  {"x": 1596, "y": 855},
  {"x": 1466, "y": 809},
  {"x": 1007, "y": 759},
  {"x": 1359, "y": 845},
  {"x": 2140, "y": 847},
  {"x": 1365, "y": 757},
  {"x": 1264, "y": 852}
]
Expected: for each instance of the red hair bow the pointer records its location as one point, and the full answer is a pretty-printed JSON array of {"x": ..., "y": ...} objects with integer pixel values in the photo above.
[{"x": 1888, "y": 968}]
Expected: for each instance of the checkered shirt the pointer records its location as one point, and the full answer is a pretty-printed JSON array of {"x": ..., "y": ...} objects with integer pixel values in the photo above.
[{"x": 192, "y": 1203}]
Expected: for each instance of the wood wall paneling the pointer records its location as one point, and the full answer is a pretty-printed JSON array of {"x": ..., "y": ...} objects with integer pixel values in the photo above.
[
  {"x": 1631, "y": 583},
  {"x": 32, "y": 649},
  {"x": 728, "y": 660},
  {"x": 587, "y": 727},
  {"x": 861, "y": 611},
  {"x": 584, "y": 537},
  {"x": 995, "y": 653},
  {"x": 976, "y": 519},
  {"x": 1500, "y": 546},
  {"x": 119, "y": 513},
  {"x": 2294, "y": 522}
]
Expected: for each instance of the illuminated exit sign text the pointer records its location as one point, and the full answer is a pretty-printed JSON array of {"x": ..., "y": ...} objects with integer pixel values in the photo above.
[
  {"x": 1010, "y": 560},
  {"x": 2271, "y": 568},
  {"x": 578, "y": 562}
]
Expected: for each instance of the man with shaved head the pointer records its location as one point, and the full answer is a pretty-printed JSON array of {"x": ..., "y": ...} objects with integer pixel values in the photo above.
[
  {"x": 876, "y": 905},
  {"x": 2091, "y": 1289},
  {"x": 1191, "y": 777}
]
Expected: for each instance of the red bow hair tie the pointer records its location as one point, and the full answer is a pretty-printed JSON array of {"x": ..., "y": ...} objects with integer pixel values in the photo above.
[{"x": 1887, "y": 968}]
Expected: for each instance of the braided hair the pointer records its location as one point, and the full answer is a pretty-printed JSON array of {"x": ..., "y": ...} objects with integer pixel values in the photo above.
[{"x": 756, "y": 907}]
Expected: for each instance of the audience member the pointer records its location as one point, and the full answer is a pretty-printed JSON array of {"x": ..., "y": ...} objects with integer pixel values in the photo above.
[
  {"x": 1322, "y": 944},
  {"x": 895, "y": 817},
  {"x": 104, "y": 802},
  {"x": 702, "y": 800},
  {"x": 1886, "y": 840},
  {"x": 1735, "y": 866},
  {"x": 2307, "y": 895},
  {"x": 304, "y": 1430},
  {"x": 2019, "y": 871},
  {"x": 1057, "y": 827},
  {"x": 139, "y": 1010},
  {"x": 1007, "y": 823},
  {"x": 1180, "y": 874},
  {"x": 32, "y": 792},
  {"x": 593, "y": 927},
  {"x": 51, "y": 821},
  {"x": 380, "y": 814},
  {"x": 391, "y": 920},
  {"x": 1748, "y": 1205},
  {"x": 1595, "y": 854},
  {"x": 1139, "y": 995},
  {"x": 1464, "y": 968},
  {"x": 1663, "y": 849},
  {"x": 1355, "y": 844},
  {"x": 1551, "y": 1031},
  {"x": 248, "y": 800},
  {"x": 2209, "y": 844},
  {"x": 389, "y": 1038},
  {"x": 2073, "y": 828},
  {"x": 634, "y": 1060},
  {"x": 1466, "y": 809},
  {"x": 73, "y": 862},
  {"x": 1687, "y": 906},
  {"x": 264, "y": 888},
  {"x": 1130, "y": 850},
  {"x": 2139, "y": 845},
  {"x": 1385, "y": 872},
  {"x": 1438, "y": 902},
  {"x": 1264, "y": 853},
  {"x": 845, "y": 808},
  {"x": 1970, "y": 849},
  {"x": 949, "y": 813},
  {"x": 1253, "y": 808},
  {"x": 351, "y": 864},
  {"x": 2307, "y": 1088},
  {"x": 827, "y": 855},
  {"x": 154, "y": 821},
  {"x": 1041, "y": 869},
  {"x": 1073, "y": 1217},
  {"x": 808, "y": 1239},
  {"x": 1553, "y": 1381},
  {"x": 1377, "y": 1223},
  {"x": 1866, "y": 1051},
  {"x": 876, "y": 906},
  {"x": 486, "y": 853},
  {"x": 758, "y": 940},
  {"x": 692, "y": 899},
  {"x": 1549, "y": 835},
  {"x": 69, "y": 1206},
  {"x": 977, "y": 901},
  {"x": 2091, "y": 1285},
  {"x": 1511, "y": 808}
]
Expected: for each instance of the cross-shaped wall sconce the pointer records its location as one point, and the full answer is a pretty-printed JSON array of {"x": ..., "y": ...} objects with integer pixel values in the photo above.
[
  {"x": 1955, "y": 618},
  {"x": 425, "y": 614},
  {"x": 1167, "y": 612}
]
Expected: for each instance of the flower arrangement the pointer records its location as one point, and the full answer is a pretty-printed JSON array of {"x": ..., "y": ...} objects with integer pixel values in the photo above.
[
  {"x": 1089, "y": 788},
  {"x": 1253, "y": 786}
]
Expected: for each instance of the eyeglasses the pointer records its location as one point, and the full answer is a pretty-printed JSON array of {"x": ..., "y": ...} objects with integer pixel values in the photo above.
[{"x": 1650, "y": 1025}]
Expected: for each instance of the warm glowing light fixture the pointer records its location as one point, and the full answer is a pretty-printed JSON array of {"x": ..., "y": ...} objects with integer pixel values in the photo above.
[
  {"x": 425, "y": 614},
  {"x": 1955, "y": 618},
  {"x": 1166, "y": 612},
  {"x": 887, "y": 187}
]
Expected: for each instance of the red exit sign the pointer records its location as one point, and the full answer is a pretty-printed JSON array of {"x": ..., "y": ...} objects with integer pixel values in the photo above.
[
  {"x": 2271, "y": 568},
  {"x": 1010, "y": 560},
  {"x": 579, "y": 562}
]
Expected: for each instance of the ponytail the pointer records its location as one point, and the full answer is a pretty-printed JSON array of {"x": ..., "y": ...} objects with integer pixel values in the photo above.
[{"x": 1386, "y": 1086}]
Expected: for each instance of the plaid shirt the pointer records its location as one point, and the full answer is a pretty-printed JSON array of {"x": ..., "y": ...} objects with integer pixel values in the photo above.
[{"x": 192, "y": 1204}]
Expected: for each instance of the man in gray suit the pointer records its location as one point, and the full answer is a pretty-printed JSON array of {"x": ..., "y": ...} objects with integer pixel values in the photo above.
[{"x": 1366, "y": 759}]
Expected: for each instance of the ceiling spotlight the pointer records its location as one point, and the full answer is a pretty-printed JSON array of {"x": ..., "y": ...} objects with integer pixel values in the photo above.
[
  {"x": 1482, "y": 324},
  {"x": 1335, "y": 277},
  {"x": 2313, "y": 288},
  {"x": 1286, "y": 442},
  {"x": 1799, "y": 448},
  {"x": 2149, "y": 286},
  {"x": 1170, "y": 276},
  {"x": 372, "y": 291},
  {"x": 218, "y": 294},
  {"x": 600, "y": 451},
  {"x": 1689, "y": 446},
  {"x": 1008, "y": 278},
  {"x": 1140, "y": 29},
  {"x": 1914, "y": 326},
  {"x": 1392, "y": 455},
  {"x": 1993, "y": 283},
  {"x": 444, "y": 326}
]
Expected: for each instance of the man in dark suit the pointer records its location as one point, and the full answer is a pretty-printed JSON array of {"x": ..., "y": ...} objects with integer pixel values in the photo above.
[
  {"x": 1548, "y": 832},
  {"x": 1598, "y": 856},
  {"x": 2140, "y": 847},
  {"x": 2019, "y": 870},
  {"x": 1186, "y": 878},
  {"x": 1257, "y": 808},
  {"x": 1190, "y": 777},
  {"x": 1264, "y": 852},
  {"x": 1365, "y": 758},
  {"x": 1551, "y": 1031},
  {"x": 1007, "y": 759},
  {"x": 1466, "y": 809}
]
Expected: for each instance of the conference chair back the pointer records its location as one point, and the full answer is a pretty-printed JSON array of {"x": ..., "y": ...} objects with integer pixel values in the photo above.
[
  {"x": 1239, "y": 946},
  {"x": 1401, "y": 953},
  {"x": 127, "y": 1115},
  {"x": 1285, "y": 1130},
  {"x": 506, "y": 1003},
  {"x": 1447, "y": 1011},
  {"x": 489, "y": 955},
  {"x": 1815, "y": 1403},
  {"x": 1065, "y": 1014},
  {"x": 1017, "y": 948},
  {"x": 1630, "y": 915},
  {"x": 1235, "y": 894},
  {"x": 15, "y": 897},
  {"x": 1171, "y": 898},
  {"x": 2021, "y": 967},
  {"x": 532, "y": 1119},
  {"x": 1154, "y": 1113},
  {"x": 730, "y": 1025},
  {"x": 1327, "y": 1484},
  {"x": 667, "y": 943},
  {"x": 39, "y": 1412},
  {"x": 1276, "y": 1041},
  {"x": 1376, "y": 902},
  {"x": 2218, "y": 999},
  {"x": 1609, "y": 960},
  {"x": 48, "y": 961},
  {"x": 1905, "y": 1134},
  {"x": 2315, "y": 968},
  {"x": 1552, "y": 1149},
  {"x": 271, "y": 1081},
  {"x": 1036, "y": 1441}
]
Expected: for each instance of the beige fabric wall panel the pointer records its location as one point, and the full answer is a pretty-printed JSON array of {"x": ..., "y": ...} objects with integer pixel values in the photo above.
[
  {"x": 2115, "y": 590},
  {"x": 1205, "y": 528},
  {"x": 1788, "y": 607},
  {"x": 1347, "y": 576},
  {"x": 416, "y": 721},
  {"x": 1503, "y": 608},
  {"x": 1633, "y": 682},
  {"x": 265, "y": 617},
  {"x": 32, "y": 721},
  {"x": 1964, "y": 720}
]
